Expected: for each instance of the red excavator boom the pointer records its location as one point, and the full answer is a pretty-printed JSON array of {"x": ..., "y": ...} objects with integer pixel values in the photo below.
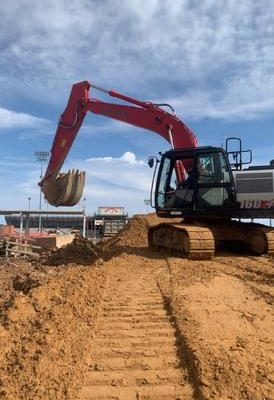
[{"x": 65, "y": 189}]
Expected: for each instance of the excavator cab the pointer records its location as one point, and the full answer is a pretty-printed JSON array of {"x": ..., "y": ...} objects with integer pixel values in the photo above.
[{"x": 204, "y": 188}]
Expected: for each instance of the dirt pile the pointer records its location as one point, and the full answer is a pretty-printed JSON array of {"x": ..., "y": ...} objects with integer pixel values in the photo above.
[
  {"x": 135, "y": 233},
  {"x": 19, "y": 276},
  {"x": 47, "y": 319},
  {"x": 83, "y": 252},
  {"x": 79, "y": 251}
]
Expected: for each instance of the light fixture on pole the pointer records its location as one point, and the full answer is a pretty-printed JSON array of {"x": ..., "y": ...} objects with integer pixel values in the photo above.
[
  {"x": 147, "y": 203},
  {"x": 29, "y": 199},
  {"x": 41, "y": 156},
  {"x": 84, "y": 204}
]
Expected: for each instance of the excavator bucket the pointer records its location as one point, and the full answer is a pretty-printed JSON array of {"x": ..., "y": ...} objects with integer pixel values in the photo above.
[{"x": 64, "y": 190}]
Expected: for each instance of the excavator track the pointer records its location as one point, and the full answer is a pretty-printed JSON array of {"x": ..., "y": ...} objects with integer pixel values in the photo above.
[
  {"x": 251, "y": 237},
  {"x": 262, "y": 241},
  {"x": 199, "y": 240},
  {"x": 193, "y": 242},
  {"x": 270, "y": 239}
]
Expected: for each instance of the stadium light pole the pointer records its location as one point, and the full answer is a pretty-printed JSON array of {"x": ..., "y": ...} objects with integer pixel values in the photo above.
[
  {"x": 41, "y": 157},
  {"x": 84, "y": 217}
]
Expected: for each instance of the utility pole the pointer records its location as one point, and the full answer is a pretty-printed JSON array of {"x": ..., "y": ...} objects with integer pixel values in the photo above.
[{"x": 41, "y": 156}]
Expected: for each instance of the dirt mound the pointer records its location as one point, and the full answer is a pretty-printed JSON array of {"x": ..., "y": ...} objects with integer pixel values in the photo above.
[
  {"x": 19, "y": 275},
  {"x": 79, "y": 251},
  {"x": 47, "y": 316},
  {"x": 83, "y": 252},
  {"x": 135, "y": 232}
]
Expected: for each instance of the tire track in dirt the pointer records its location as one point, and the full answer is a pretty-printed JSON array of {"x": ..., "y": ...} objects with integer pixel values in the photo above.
[
  {"x": 135, "y": 354},
  {"x": 255, "y": 273}
]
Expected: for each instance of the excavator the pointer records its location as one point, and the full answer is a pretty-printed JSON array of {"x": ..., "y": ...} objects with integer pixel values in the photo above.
[{"x": 210, "y": 188}]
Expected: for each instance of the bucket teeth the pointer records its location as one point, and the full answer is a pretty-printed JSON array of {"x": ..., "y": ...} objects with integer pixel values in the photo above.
[{"x": 66, "y": 189}]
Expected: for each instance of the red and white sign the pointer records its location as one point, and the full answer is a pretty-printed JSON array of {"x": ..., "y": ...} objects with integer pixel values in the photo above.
[{"x": 110, "y": 210}]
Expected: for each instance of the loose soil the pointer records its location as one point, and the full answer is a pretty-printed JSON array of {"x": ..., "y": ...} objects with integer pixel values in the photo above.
[{"x": 119, "y": 321}]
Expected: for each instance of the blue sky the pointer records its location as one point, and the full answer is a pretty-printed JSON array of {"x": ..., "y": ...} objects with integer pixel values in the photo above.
[{"x": 213, "y": 61}]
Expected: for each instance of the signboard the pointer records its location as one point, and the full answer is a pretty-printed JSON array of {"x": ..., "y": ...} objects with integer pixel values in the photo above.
[{"x": 111, "y": 211}]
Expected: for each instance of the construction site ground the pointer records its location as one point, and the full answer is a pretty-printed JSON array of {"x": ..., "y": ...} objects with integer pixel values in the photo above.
[{"x": 120, "y": 321}]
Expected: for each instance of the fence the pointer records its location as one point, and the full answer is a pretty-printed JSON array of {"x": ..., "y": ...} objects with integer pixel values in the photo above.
[{"x": 18, "y": 247}]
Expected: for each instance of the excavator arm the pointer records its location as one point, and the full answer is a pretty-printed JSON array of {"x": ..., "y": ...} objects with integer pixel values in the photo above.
[{"x": 65, "y": 189}]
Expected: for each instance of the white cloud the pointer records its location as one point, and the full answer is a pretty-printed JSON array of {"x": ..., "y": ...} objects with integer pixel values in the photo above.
[
  {"x": 128, "y": 158},
  {"x": 223, "y": 50},
  {"x": 121, "y": 181},
  {"x": 11, "y": 119},
  {"x": 126, "y": 171},
  {"x": 232, "y": 104}
]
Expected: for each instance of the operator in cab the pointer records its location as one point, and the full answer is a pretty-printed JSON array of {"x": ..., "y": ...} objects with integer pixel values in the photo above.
[{"x": 182, "y": 197}]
